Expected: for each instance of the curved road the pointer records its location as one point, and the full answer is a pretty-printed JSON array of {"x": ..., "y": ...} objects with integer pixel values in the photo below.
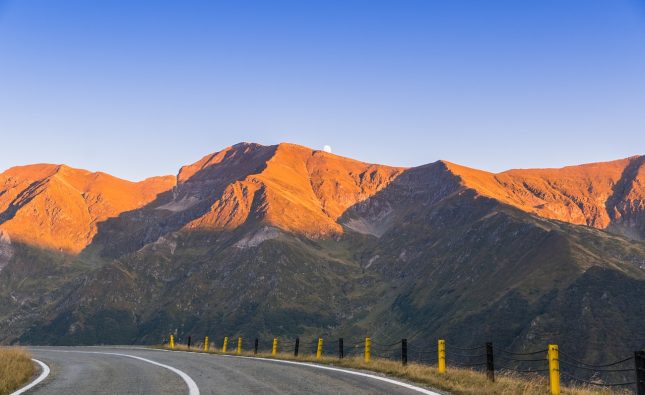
[{"x": 128, "y": 370}]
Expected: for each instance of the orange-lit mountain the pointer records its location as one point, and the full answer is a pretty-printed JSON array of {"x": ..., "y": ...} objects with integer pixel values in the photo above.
[
  {"x": 608, "y": 195},
  {"x": 58, "y": 207},
  {"x": 284, "y": 187},
  {"x": 296, "y": 189},
  {"x": 291, "y": 188}
]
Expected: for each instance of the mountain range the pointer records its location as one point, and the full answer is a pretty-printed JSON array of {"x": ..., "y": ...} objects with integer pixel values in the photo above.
[{"x": 285, "y": 240}]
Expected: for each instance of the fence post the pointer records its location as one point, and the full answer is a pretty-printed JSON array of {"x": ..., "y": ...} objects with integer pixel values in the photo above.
[
  {"x": 341, "y": 351},
  {"x": 206, "y": 343},
  {"x": 368, "y": 349},
  {"x": 404, "y": 351},
  {"x": 225, "y": 344},
  {"x": 639, "y": 362},
  {"x": 554, "y": 369},
  {"x": 296, "y": 347},
  {"x": 172, "y": 342},
  {"x": 490, "y": 364},
  {"x": 239, "y": 345},
  {"x": 189, "y": 342},
  {"x": 255, "y": 347},
  {"x": 274, "y": 349},
  {"x": 441, "y": 356},
  {"x": 319, "y": 349}
]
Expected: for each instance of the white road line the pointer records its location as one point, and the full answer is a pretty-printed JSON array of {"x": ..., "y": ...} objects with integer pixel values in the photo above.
[
  {"x": 371, "y": 376},
  {"x": 43, "y": 376},
  {"x": 192, "y": 386}
]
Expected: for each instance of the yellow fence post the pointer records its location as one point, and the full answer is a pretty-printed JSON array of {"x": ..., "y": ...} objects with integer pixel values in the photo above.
[
  {"x": 239, "y": 345},
  {"x": 206, "y": 343},
  {"x": 225, "y": 344},
  {"x": 554, "y": 369},
  {"x": 319, "y": 349},
  {"x": 171, "y": 343},
  {"x": 441, "y": 356},
  {"x": 274, "y": 349},
  {"x": 368, "y": 349}
]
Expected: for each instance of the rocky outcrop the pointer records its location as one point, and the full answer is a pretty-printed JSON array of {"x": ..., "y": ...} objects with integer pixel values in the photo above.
[{"x": 6, "y": 251}]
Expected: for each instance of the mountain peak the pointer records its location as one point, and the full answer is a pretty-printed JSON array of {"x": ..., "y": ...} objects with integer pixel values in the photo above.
[
  {"x": 67, "y": 203},
  {"x": 292, "y": 187},
  {"x": 605, "y": 195}
]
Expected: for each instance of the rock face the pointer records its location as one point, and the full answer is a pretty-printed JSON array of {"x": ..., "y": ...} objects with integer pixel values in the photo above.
[
  {"x": 285, "y": 240},
  {"x": 6, "y": 252}
]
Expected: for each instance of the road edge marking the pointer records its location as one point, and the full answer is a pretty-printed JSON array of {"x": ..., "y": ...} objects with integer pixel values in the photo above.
[
  {"x": 362, "y": 374},
  {"x": 193, "y": 389},
  {"x": 43, "y": 376}
]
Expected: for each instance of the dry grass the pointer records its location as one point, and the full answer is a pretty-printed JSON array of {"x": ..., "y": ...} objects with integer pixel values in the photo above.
[
  {"x": 16, "y": 368},
  {"x": 456, "y": 380}
]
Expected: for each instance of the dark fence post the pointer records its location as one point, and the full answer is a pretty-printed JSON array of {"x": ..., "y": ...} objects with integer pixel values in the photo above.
[
  {"x": 189, "y": 342},
  {"x": 255, "y": 347},
  {"x": 297, "y": 347},
  {"x": 341, "y": 351},
  {"x": 404, "y": 351},
  {"x": 490, "y": 364},
  {"x": 639, "y": 362}
]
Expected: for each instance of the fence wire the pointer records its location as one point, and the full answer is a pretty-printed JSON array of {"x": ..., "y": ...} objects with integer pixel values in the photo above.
[{"x": 572, "y": 377}]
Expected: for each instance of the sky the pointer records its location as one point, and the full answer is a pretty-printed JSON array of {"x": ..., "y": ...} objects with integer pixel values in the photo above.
[{"x": 139, "y": 88}]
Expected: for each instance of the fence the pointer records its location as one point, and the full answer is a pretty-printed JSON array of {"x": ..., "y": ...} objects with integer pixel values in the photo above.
[{"x": 549, "y": 361}]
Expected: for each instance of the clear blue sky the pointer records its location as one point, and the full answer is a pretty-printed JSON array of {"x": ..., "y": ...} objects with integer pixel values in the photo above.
[{"x": 139, "y": 88}]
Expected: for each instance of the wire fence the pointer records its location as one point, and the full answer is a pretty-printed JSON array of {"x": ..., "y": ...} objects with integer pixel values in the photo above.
[{"x": 624, "y": 372}]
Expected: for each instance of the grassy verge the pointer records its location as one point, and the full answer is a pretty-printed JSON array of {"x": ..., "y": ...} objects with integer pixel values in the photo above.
[
  {"x": 455, "y": 380},
  {"x": 16, "y": 368}
]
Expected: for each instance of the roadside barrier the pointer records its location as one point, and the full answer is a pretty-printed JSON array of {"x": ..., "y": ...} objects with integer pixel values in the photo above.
[
  {"x": 551, "y": 361},
  {"x": 441, "y": 356},
  {"x": 319, "y": 350},
  {"x": 368, "y": 349}
]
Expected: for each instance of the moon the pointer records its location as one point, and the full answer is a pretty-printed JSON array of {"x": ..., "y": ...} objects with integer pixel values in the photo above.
[{"x": 327, "y": 148}]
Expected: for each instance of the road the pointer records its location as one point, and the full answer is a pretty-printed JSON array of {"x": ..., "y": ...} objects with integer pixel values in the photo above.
[{"x": 129, "y": 370}]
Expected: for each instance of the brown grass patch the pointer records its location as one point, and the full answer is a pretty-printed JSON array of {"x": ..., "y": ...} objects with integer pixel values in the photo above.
[
  {"x": 16, "y": 368},
  {"x": 456, "y": 380}
]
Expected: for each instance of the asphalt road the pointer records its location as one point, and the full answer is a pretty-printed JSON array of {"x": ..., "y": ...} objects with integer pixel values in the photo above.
[{"x": 126, "y": 370}]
